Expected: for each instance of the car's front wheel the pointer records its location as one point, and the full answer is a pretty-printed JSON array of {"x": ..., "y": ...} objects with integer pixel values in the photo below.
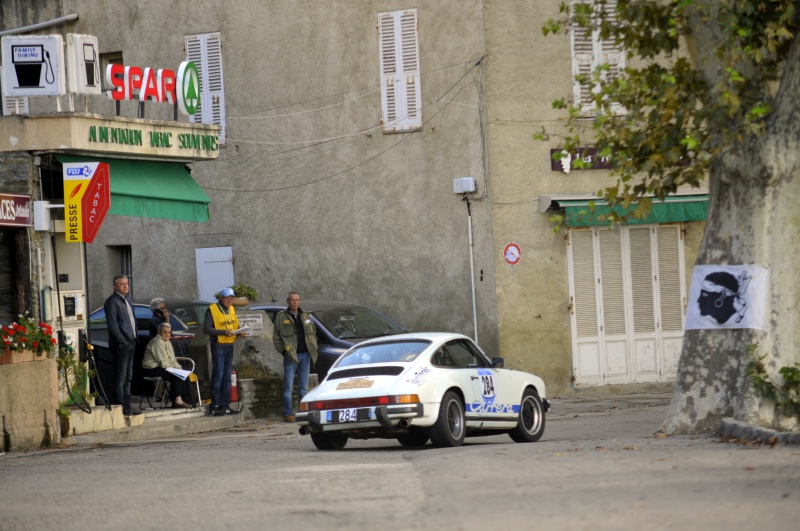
[
  {"x": 450, "y": 428},
  {"x": 531, "y": 418},
  {"x": 415, "y": 437},
  {"x": 328, "y": 441}
]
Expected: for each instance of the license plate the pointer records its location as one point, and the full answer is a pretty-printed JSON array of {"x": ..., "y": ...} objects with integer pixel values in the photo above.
[{"x": 349, "y": 415}]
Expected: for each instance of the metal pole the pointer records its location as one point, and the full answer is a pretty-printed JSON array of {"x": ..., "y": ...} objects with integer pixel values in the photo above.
[{"x": 472, "y": 271}]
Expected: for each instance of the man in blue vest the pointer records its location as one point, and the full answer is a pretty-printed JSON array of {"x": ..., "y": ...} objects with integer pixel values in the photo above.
[{"x": 122, "y": 342}]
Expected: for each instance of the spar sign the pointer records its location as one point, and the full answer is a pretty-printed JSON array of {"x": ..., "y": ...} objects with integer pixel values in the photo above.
[{"x": 87, "y": 198}]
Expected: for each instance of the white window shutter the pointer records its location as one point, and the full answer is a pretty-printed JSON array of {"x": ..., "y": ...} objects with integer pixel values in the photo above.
[
  {"x": 670, "y": 279},
  {"x": 13, "y": 105},
  {"x": 585, "y": 282},
  {"x": 611, "y": 267},
  {"x": 589, "y": 51},
  {"x": 205, "y": 50},
  {"x": 641, "y": 279},
  {"x": 399, "y": 62}
]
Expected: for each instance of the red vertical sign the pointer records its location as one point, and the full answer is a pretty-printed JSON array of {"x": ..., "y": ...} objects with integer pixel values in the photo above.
[{"x": 95, "y": 202}]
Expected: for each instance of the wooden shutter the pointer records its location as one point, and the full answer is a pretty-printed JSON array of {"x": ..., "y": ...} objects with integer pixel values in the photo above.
[
  {"x": 206, "y": 52},
  {"x": 399, "y": 58},
  {"x": 583, "y": 61},
  {"x": 589, "y": 51},
  {"x": 670, "y": 279},
  {"x": 585, "y": 304}
]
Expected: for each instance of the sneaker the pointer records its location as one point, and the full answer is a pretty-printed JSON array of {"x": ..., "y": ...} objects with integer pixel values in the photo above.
[
  {"x": 216, "y": 411},
  {"x": 229, "y": 411},
  {"x": 288, "y": 418}
]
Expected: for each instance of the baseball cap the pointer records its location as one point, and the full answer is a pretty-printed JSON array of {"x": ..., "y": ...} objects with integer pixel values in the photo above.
[{"x": 227, "y": 292}]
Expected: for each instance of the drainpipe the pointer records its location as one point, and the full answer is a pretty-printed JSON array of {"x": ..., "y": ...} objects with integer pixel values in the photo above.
[{"x": 41, "y": 25}]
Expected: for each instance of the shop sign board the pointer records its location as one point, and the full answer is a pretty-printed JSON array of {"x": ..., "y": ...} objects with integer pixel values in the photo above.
[
  {"x": 34, "y": 65},
  {"x": 162, "y": 85},
  {"x": 87, "y": 198},
  {"x": 15, "y": 210}
]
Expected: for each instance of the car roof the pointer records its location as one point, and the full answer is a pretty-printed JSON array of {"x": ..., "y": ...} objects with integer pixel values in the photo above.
[
  {"x": 169, "y": 301},
  {"x": 307, "y": 306},
  {"x": 433, "y": 337}
]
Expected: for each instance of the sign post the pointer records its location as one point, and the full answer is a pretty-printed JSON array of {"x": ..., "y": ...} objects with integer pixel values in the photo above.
[{"x": 87, "y": 198}]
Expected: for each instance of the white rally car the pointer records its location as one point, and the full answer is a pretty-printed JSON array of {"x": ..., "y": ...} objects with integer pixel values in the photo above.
[{"x": 415, "y": 387}]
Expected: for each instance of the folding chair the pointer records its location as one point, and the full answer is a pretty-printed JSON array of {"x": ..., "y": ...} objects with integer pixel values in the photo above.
[
  {"x": 192, "y": 377},
  {"x": 158, "y": 383}
]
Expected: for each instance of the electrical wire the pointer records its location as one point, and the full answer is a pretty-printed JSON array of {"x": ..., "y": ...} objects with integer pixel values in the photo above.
[{"x": 406, "y": 137}]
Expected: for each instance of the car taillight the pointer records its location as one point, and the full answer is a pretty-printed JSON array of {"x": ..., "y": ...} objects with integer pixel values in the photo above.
[{"x": 367, "y": 401}]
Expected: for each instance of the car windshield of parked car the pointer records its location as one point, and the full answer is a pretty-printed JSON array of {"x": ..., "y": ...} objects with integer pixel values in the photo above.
[
  {"x": 356, "y": 323},
  {"x": 394, "y": 352},
  {"x": 143, "y": 314},
  {"x": 191, "y": 315}
]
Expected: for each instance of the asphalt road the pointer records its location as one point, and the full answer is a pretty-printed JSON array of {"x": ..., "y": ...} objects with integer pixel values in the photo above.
[{"x": 600, "y": 465}]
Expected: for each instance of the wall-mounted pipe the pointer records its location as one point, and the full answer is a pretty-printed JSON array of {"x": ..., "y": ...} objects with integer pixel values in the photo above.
[{"x": 41, "y": 25}]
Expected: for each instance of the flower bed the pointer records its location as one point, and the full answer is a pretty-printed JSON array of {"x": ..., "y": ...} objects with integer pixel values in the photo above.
[{"x": 26, "y": 340}]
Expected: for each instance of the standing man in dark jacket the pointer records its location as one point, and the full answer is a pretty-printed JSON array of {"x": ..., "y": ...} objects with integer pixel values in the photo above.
[
  {"x": 294, "y": 336},
  {"x": 122, "y": 342}
]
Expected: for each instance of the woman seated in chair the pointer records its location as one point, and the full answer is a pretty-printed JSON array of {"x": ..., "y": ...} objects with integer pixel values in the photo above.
[{"x": 158, "y": 357}]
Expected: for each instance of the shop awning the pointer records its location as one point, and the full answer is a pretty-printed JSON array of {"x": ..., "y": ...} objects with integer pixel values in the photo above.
[
  {"x": 151, "y": 189},
  {"x": 683, "y": 206}
]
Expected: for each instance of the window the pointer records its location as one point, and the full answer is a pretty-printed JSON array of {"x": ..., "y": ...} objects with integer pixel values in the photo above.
[
  {"x": 110, "y": 58},
  {"x": 589, "y": 51},
  {"x": 399, "y": 54},
  {"x": 205, "y": 50}
]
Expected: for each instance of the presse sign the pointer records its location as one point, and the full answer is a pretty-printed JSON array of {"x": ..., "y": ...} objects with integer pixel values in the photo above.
[{"x": 87, "y": 198}]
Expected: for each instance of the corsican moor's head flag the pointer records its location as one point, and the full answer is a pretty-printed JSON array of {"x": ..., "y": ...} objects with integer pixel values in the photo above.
[{"x": 728, "y": 297}]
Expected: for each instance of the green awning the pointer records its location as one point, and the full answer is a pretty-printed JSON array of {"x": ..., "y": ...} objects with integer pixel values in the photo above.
[
  {"x": 677, "y": 208},
  {"x": 151, "y": 189}
]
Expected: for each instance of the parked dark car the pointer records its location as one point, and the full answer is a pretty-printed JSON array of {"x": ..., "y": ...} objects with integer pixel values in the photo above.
[
  {"x": 340, "y": 325},
  {"x": 186, "y": 316}
]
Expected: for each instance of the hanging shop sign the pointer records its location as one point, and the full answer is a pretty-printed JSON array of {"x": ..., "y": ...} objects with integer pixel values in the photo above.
[
  {"x": 15, "y": 210},
  {"x": 162, "y": 85},
  {"x": 87, "y": 198},
  {"x": 34, "y": 65}
]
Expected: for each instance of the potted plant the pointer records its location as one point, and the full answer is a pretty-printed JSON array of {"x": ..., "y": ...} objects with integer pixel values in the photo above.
[
  {"x": 26, "y": 340},
  {"x": 243, "y": 291}
]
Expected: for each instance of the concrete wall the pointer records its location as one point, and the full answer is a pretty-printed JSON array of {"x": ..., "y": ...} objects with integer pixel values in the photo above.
[
  {"x": 29, "y": 405},
  {"x": 367, "y": 218},
  {"x": 525, "y": 72}
]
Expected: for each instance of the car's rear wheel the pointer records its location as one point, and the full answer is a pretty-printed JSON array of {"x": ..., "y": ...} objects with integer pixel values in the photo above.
[
  {"x": 531, "y": 418},
  {"x": 328, "y": 441},
  {"x": 415, "y": 437},
  {"x": 450, "y": 428}
]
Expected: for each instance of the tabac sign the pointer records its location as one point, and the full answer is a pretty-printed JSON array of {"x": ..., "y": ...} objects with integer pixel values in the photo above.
[{"x": 87, "y": 198}]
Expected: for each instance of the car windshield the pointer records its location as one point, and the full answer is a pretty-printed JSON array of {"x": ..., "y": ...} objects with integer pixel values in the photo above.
[
  {"x": 393, "y": 352},
  {"x": 192, "y": 315},
  {"x": 356, "y": 323}
]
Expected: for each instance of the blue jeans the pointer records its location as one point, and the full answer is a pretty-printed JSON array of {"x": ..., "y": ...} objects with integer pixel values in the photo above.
[
  {"x": 290, "y": 368},
  {"x": 123, "y": 373},
  {"x": 221, "y": 364}
]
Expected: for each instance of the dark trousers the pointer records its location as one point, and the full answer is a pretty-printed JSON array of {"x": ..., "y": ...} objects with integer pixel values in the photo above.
[
  {"x": 123, "y": 373},
  {"x": 221, "y": 365},
  {"x": 177, "y": 387}
]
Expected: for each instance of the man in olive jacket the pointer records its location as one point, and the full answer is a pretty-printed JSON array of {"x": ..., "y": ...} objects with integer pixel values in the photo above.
[{"x": 294, "y": 336}]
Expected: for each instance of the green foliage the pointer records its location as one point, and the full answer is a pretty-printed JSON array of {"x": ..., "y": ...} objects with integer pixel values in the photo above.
[
  {"x": 785, "y": 395},
  {"x": 678, "y": 120},
  {"x": 243, "y": 290},
  {"x": 72, "y": 377}
]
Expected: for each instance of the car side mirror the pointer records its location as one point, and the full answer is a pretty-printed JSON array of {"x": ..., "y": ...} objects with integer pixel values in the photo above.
[{"x": 498, "y": 363}]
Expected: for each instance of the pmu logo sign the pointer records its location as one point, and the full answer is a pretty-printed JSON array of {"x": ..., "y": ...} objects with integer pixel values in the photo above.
[{"x": 87, "y": 198}]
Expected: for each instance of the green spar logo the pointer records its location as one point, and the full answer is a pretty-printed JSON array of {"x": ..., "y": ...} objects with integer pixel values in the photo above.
[{"x": 189, "y": 84}]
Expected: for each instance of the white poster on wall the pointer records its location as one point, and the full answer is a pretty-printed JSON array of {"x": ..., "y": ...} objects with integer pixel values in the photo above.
[{"x": 728, "y": 297}]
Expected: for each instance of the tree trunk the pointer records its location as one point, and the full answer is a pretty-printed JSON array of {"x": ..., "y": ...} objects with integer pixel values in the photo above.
[{"x": 753, "y": 218}]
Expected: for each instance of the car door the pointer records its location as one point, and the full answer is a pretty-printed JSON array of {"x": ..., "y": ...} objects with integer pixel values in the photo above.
[{"x": 491, "y": 398}]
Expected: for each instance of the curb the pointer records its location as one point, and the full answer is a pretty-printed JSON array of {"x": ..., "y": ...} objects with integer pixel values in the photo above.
[{"x": 741, "y": 430}]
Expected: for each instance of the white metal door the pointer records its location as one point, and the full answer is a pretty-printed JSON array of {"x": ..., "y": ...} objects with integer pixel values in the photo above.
[{"x": 214, "y": 270}]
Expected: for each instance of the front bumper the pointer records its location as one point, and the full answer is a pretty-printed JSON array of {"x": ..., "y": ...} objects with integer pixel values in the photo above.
[{"x": 379, "y": 416}]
